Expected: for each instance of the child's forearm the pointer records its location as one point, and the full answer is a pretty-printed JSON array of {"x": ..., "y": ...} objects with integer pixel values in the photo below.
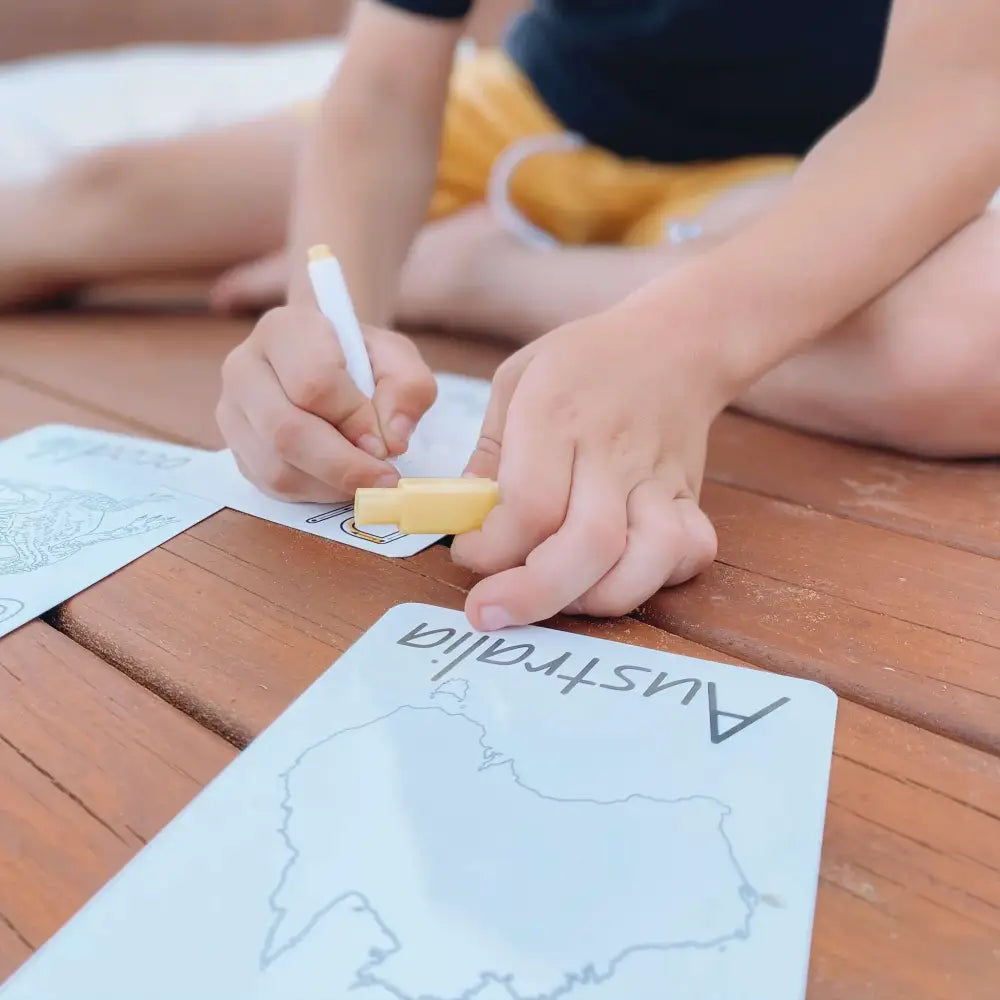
[
  {"x": 912, "y": 165},
  {"x": 367, "y": 170},
  {"x": 363, "y": 188},
  {"x": 886, "y": 187}
]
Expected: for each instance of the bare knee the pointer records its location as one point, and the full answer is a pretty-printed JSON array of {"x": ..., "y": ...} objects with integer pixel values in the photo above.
[{"x": 941, "y": 368}]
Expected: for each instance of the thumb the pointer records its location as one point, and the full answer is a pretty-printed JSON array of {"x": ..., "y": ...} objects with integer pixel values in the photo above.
[
  {"x": 405, "y": 387},
  {"x": 485, "y": 460}
]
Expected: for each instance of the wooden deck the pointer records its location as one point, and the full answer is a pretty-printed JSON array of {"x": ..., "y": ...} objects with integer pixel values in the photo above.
[{"x": 877, "y": 575}]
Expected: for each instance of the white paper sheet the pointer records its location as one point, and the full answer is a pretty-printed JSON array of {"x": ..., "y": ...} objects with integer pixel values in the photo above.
[
  {"x": 76, "y": 505},
  {"x": 441, "y": 445},
  {"x": 447, "y": 815}
]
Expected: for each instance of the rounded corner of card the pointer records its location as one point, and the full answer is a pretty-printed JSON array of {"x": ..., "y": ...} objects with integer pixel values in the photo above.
[{"x": 827, "y": 698}]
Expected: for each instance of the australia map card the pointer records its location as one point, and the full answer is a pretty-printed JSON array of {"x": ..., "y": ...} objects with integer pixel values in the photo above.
[
  {"x": 441, "y": 445},
  {"x": 451, "y": 815},
  {"x": 78, "y": 504}
]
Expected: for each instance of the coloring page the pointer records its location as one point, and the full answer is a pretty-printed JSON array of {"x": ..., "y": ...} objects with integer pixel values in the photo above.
[
  {"x": 441, "y": 445},
  {"x": 76, "y": 505}
]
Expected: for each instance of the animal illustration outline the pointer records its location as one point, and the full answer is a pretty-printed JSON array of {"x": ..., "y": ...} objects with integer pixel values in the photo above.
[{"x": 43, "y": 525}]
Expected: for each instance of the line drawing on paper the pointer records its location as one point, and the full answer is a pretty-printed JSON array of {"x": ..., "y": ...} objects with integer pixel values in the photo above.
[
  {"x": 9, "y": 608},
  {"x": 43, "y": 525}
]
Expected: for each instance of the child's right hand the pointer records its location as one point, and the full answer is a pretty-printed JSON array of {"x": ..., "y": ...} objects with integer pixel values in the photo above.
[{"x": 299, "y": 427}]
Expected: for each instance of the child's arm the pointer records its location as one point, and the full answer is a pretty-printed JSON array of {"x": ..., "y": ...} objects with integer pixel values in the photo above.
[
  {"x": 367, "y": 171},
  {"x": 296, "y": 423},
  {"x": 914, "y": 163},
  {"x": 599, "y": 510}
]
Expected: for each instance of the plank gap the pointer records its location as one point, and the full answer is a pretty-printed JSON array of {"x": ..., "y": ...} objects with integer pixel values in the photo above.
[{"x": 233, "y": 733}]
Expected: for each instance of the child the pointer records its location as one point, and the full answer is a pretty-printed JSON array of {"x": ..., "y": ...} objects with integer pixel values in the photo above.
[
  {"x": 855, "y": 296},
  {"x": 863, "y": 302}
]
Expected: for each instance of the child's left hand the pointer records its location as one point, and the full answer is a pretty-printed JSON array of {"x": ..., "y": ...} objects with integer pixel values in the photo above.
[{"x": 597, "y": 435}]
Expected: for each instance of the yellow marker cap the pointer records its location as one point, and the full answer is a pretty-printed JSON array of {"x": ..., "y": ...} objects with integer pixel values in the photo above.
[{"x": 428, "y": 506}]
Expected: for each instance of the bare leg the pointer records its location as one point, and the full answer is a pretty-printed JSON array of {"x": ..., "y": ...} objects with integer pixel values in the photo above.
[
  {"x": 203, "y": 202},
  {"x": 466, "y": 274},
  {"x": 917, "y": 370}
]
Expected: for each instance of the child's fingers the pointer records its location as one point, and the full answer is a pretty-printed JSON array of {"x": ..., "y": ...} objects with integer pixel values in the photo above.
[
  {"x": 405, "y": 388},
  {"x": 535, "y": 479},
  {"x": 261, "y": 466},
  {"x": 485, "y": 460},
  {"x": 568, "y": 563},
  {"x": 302, "y": 348},
  {"x": 669, "y": 540},
  {"x": 304, "y": 440}
]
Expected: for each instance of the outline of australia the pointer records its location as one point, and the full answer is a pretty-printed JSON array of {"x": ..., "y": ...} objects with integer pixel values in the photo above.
[{"x": 472, "y": 881}]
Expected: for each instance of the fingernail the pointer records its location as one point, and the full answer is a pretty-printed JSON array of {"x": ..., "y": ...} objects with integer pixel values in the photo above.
[
  {"x": 374, "y": 445},
  {"x": 494, "y": 618},
  {"x": 388, "y": 480},
  {"x": 401, "y": 427}
]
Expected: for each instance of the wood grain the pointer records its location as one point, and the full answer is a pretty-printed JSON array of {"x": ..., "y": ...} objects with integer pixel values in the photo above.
[
  {"x": 23, "y": 407},
  {"x": 91, "y": 767},
  {"x": 910, "y": 890},
  {"x": 273, "y": 593},
  {"x": 899, "y": 623},
  {"x": 936, "y": 680},
  {"x": 955, "y": 503},
  {"x": 878, "y": 570},
  {"x": 159, "y": 372},
  {"x": 14, "y": 949}
]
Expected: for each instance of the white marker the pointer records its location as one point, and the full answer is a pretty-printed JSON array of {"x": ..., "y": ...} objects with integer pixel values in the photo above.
[{"x": 335, "y": 304}]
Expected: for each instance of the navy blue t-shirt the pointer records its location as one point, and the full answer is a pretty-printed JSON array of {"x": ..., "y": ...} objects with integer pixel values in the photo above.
[{"x": 682, "y": 80}]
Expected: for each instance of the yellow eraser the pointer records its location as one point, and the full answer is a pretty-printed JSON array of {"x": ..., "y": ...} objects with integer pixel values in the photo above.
[{"x": 428, "y": 506}]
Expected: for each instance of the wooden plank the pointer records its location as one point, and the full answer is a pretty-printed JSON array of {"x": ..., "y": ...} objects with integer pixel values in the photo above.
[
  {"x": 872, "y": 568},
  {"x": 23, "y": 407},
  {"x": 91, "y": 766},
  {"x": 271, "y": 594},
  {"x": 898, "y": 623},
  {"x": 14, "y": 949},
  {"x": 160, "y": 372},
  {"x": 910, "y": 888},
  {"x": 926, "y": 676},
  {"x": 955, "y": 503}
]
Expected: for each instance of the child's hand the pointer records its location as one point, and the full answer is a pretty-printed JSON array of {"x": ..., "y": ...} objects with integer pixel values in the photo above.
[
  {"x": 597, "y": 435},
  {"x": 299, "y": 427}
]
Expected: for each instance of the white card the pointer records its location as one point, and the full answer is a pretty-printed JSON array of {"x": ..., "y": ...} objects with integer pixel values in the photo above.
[
  {"x": 441, "y": 445},
  {"x": 76, "y": 505},
  {"x": 446, "y": 814}
]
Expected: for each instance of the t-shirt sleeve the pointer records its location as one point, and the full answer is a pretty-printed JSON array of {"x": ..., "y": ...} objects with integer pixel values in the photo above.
[{"x": 450, "y": 9}]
